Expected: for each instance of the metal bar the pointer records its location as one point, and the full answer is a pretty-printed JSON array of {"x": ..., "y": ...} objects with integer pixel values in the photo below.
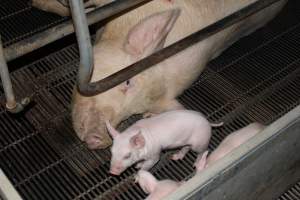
[
  {"x": 84, "y": 41},
  {"x": 11, "y": 104},
  {"x": 91, "y": 89},
  {"x": 66, "y": 28},
  {"x": 261, "y": 168},
  {"x": 64, "y": 2},
  {"x": 7, "y": 190}
]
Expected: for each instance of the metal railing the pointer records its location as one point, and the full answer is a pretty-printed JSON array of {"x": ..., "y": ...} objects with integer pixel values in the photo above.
[
  {"x": 61, "y": 30},
  {"x": 87, "y": 88},
  {"x": 81, "y": 22}
]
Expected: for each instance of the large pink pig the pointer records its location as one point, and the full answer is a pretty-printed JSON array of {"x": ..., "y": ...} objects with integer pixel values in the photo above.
[{"x": 139, "y": 33}]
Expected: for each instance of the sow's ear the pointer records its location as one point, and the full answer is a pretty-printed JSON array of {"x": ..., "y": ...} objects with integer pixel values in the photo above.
[
  {"x": 137, "y": 141},
  {"x": 112, "y": 131},
  {"x": 149, "y": 35}
]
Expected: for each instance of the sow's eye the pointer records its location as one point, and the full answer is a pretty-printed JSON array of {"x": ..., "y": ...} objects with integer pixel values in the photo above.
[
  {"x": 126, "y": 86},
  {"x": 127, "y": 156}
]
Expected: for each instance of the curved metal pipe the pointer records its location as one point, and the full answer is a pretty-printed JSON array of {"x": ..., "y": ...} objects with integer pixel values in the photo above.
[
  {"x": 84, "y": 41},
  {"x": 90, "y": 89},
  {"x": 86, "y": 64},
  {"x": 11, "y": 104}
]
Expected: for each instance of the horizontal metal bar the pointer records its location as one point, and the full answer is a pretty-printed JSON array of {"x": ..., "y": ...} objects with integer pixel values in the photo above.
[
  {"x": 91, "y": 89},
  {"x": 66, "y": 28},
  {"x": 64, "y": 2}
]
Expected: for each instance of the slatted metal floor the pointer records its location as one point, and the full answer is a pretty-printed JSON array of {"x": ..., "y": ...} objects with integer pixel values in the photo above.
[
  {"x": 19, "y": 20},
  {"x": 291, "y": 194},
  {"x": 257, "y": 79}
]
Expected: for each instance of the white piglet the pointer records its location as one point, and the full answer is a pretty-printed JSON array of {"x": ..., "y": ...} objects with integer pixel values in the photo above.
[
  {"x": 144, "y": 140},
  {"x": 231, "y": 142},
  {"x": 156, "y": 189}
]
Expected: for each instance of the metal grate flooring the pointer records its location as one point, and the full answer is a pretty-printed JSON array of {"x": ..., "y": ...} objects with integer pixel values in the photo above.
[
  {"x": 19, "y": 20},
  {"x": 257, "y": 79},
  {"x": 292, "y": 194}
]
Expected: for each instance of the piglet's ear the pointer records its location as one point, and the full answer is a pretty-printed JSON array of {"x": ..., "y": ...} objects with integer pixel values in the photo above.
[
  {"x": 137, "y": 141},
  {"x": 112, "y": 131},
  {"x": 149, "y": 35}
]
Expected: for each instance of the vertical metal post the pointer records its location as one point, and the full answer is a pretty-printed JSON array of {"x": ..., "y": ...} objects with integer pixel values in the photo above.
[
  {"x": 84, "y": 42},
  {"x": 11, "y": 104}
]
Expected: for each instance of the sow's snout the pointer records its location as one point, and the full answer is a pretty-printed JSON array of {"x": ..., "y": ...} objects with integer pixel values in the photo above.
[{"x": 90, "y": 127}]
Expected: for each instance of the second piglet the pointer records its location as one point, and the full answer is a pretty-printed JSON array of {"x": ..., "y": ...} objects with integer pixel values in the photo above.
[
  {"x": 231, "y": 142},
  {"x": 156, "y": 189},
  {"x": 144, "y": 140}
]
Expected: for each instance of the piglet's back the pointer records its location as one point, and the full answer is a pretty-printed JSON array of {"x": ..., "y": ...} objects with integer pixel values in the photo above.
[{"x": 176, "y": 120}]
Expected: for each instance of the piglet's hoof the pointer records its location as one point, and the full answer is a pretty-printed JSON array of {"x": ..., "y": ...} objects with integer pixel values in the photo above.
[{"x": 177, "y": 156}]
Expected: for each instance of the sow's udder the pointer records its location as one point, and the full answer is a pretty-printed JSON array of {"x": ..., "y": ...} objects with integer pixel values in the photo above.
[{"x": 90, "y": 128}]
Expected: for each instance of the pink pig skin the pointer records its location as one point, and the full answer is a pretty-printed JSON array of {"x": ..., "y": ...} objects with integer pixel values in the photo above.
[
  {"x": 231, "y": 142},
  {"x": 141, "y": 32},
  {"x": 145, "y": 139},
  {"x": 156, "y": 189}
]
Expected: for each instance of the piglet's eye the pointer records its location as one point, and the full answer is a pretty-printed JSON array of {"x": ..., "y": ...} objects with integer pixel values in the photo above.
[
  {"x": 128, "y": 82},
  {"x": 127, "y": 156}
]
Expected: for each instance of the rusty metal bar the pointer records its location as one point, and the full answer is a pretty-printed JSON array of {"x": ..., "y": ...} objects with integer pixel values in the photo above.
[
  {"x": 11, "y": 104},
  {"x": 66, "y": 28},
  {"x": 90, "y": 89}
]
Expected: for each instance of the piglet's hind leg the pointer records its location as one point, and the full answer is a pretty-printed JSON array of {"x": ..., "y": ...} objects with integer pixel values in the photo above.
[{"x": 180, "y": 154}]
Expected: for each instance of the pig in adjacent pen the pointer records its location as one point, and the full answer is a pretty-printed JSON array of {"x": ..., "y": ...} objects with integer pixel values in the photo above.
[
  {"x": 61, "y": 7},
  {"x": 144, "y": 140},
  {"x": 142, "y": 31},
  {"x": 156, "y": 189}
]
